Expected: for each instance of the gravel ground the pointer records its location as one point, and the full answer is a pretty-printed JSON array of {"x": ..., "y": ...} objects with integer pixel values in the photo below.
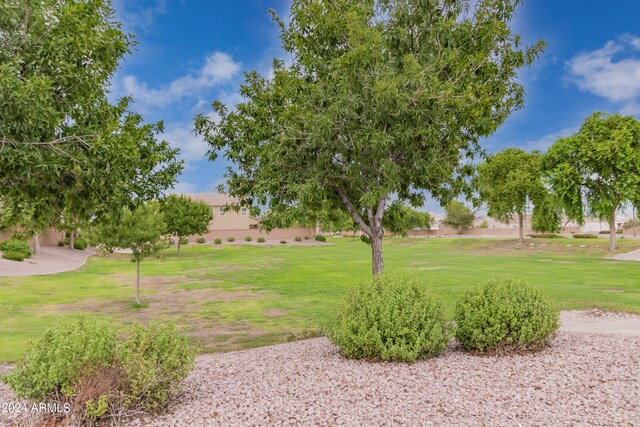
[
  {"x": 52, "y": 259},
  {"x": 581, "y": 379}
]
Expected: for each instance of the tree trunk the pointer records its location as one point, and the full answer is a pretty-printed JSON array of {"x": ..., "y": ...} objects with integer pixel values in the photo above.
[
  {"x": 138, "y": 282},
  {"x": 612, "y": 230},
  {"x": 377, "y": 263},
  {"x": 36, "y": 244},
  {"x": 72, "y": 239},
  {"x": 633, "y": 218},
  {"x": 179, "y": 238},
  {"x": 521, "y": 228}
]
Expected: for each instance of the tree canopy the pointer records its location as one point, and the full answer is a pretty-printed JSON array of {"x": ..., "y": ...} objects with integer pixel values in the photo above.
[
  {"x": 380, "y": 99},
  {"x": 597, "y": 170},
  {"x": 458, "y": 216},
  {"x": 510, "y": 182},
  {"x": 185, "y": 217}
]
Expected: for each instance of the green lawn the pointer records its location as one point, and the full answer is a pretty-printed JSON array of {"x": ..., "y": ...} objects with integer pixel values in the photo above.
[{"x": 232, "y": 297}]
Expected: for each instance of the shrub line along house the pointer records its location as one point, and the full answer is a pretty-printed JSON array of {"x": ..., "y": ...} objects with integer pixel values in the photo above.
[{"x": 239, "y": 224}]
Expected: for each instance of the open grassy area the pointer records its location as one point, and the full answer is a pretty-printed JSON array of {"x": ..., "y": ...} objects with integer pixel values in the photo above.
[{"x": 232, "y": 297}]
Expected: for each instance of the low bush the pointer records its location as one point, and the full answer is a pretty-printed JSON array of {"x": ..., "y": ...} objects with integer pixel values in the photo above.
[
  {"x": 283, "y": 242},
  {"x": 545, "y": 236},
  {"x": 80, "y": 243},
  {"x": 390, "y": 318},
  {"x": 260, "y": 240},
  {"x": 230, "y": 239},
  {"x": 320, "y": 238},
  {"x": 504, "y": 316},
  {"x": 247, "y": 239},
  {"x": 200, "y": 240},
  {"x": 298, "y": 239},
  {"x": 604, "y": 232},
  {"x": 16, "y": 246},
  {"x": 184, "y": 241},
  {"x": 13, "y": 256},
  {"x": 585, "y": 236},
  {"x": 84, "y": 366},
  {"x": 306, "y": 237},
  {"x": 217, "y": 241},
  {"x": 61, "y": 243}
]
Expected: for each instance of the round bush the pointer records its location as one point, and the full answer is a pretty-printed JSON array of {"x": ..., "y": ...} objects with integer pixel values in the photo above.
[
  {"x": 390, "y": 318},
  {"x": 306, "y": 237},
  {"x": 260, "y": 240},
  {"x": 320, "y": 238},
  {"x": 13, "y": 255},
  {"x": 184, "y": 241},
  {"x": 200, "y": 240},
  {"x": 230, "y": 239},
  {"x": 16, "y": 246},
  {"x": 247, "y": 239},
  {"x": 61, "y": 243},
  {"x": 80, "y": 244},
  {"x": 283, "y": 242},
  {"x": 298, "y": 239},
  {"x": 217, "y": 241},
  {"x": 504, "y": 316}
]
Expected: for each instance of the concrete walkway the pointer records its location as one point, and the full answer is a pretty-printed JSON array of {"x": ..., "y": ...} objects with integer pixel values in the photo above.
[
  {"x": 600, "y": 322},
  {"x": 629, "y": 256}
]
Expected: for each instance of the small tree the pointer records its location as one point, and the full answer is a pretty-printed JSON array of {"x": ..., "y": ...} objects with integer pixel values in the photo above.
[
  {"x": 458, "y": 216},
  {"x": 400, "y": 219},
  {"x": 185, "y": 217},
  {"x": 141, "y": 230},
  {"x": 509, "y": 181},
  {"x": 597, "y": 170}
]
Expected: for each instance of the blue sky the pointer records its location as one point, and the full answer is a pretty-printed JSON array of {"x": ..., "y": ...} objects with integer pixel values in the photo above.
[{"x": 191, "y": 52}]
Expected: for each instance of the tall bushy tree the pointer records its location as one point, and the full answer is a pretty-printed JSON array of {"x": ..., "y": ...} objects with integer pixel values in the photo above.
[
  {"x": 61, "y": 141},
  {"x": 458, "y": 216},
  {"x": 510, "y": 181},
  {"x": 185, "y": 217},
  {"x": 597, "y": 170},
  {"x": 140, "y": 230},
  {"x": 547, "y": 215},
  {"x": 381, "y": 98}
]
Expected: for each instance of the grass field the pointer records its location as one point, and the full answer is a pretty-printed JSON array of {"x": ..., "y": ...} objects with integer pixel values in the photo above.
[{"x": 235, "y": 297}]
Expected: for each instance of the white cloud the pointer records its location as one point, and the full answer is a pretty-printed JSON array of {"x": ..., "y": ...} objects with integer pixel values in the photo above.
[
  {"x": 218, "y": 68},
  {"x": 542, "y": 144},
  {"x": 138, "y": 17},
  {"x": 612, "y": 72},
  {"x": 183, "y": 187},
  {"x": 192, "y": 147}
]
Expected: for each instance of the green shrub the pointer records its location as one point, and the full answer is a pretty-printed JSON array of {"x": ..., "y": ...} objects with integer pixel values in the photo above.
[
  {"x": 306, "y": 237},
  {"x": 545, "y": 236},
  {"x": 283, "y": 242},
  {"x": 13, "y": 256},
  {"x": 298, "y": 239},
  {"x": 260, "y": 240},
  {"x": 605, "y": 232},
  {"x": 230, "y": 239},
  {"x": 503, "y": 316},
  {"x": 16, "y": 246},
  {"x": 84, "y": 365},
  {"x": 200, "y": 240},
  {"x": 247, "y": 239},
  {"x": 184, "y": 241},
  {"x": 585, "y": 236},
  {"x": 61, "y": 243},
  {"x": 80, "y": 243},
  {"x": 217, "y": 241},
  {"x": 390, "y": 318},
  {"x": 320, "y": 238}
]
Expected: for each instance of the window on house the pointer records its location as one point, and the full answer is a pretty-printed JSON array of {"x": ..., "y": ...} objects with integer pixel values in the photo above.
[
  {"x": 243, "y": 211},
  {"x": 222, "y": 211}
]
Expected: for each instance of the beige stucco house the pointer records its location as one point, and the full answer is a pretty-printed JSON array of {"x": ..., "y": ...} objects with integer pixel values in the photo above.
[{"x": 239, "y": 224}]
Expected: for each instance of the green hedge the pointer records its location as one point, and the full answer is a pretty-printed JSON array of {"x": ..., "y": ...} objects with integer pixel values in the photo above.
[
  {"x": 200, "y": 240},
  {"x": 320, "y": 238},
  {"x": 217, "y": 241},
  {"x": 391, "y": 318},
  {"x": 545, "y": 236},
  {"x": 13, "y": 256},
  {"x": 504, "y": 316},
  {"x": 585, "y": 236},
  {"x": 15, "y": 246},
  {"x": 260, "y": 240}
]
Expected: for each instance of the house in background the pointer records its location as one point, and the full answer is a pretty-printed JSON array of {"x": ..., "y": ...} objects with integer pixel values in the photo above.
[{"x": 240, "y": 224}]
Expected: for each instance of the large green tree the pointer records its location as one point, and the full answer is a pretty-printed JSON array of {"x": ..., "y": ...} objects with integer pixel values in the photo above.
[
  {"x": 400, "y": 219},
  {"x": 597, "y": 170},
  {"x": 61, "y": 141},
  {"x": 140, "y": 230},
  {"x": 185, "y": 217},
  {"x": 380, "y": 99},
  {"x": 510, "y": 182},
  {"x": 458, "y": 216}
]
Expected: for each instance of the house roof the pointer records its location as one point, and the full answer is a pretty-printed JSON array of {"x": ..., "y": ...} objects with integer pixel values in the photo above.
[{"x": 212, "y": 199}]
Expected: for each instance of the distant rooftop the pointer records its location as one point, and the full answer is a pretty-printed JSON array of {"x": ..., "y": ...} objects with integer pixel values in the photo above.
[{"x": 212, "y": 199}]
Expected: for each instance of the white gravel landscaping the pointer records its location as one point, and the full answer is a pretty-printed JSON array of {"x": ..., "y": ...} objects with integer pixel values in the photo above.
[
  {"x": 52, "y": 259},
  {"x": 581, "y": 379}
]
